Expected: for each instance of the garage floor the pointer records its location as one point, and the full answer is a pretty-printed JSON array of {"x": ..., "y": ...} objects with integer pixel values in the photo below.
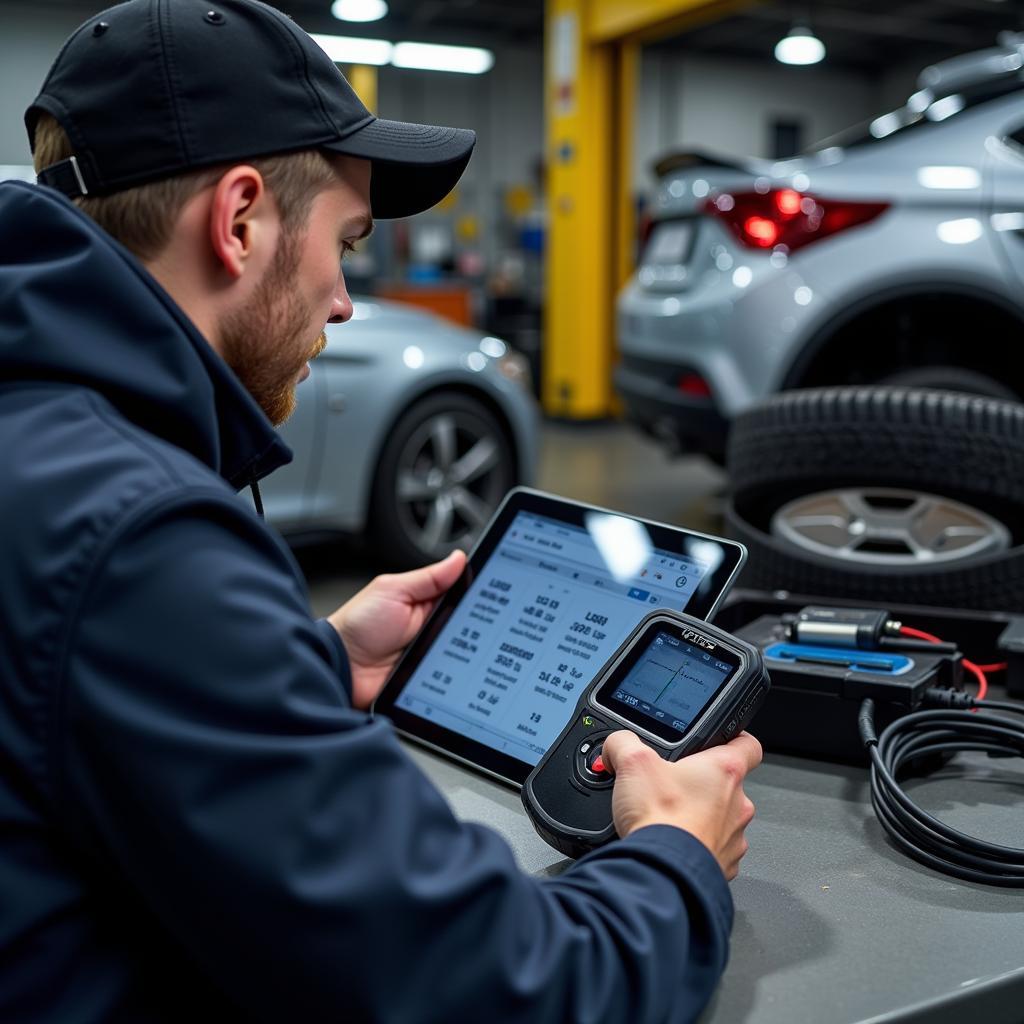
[{"x": 605, "y": 464}]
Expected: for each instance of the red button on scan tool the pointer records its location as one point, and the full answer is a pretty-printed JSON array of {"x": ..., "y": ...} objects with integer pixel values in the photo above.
[{"x": 597, "y": 765}]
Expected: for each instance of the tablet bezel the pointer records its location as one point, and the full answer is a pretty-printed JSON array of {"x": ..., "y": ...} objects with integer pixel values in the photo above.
[{"x": 478, "y": 756}]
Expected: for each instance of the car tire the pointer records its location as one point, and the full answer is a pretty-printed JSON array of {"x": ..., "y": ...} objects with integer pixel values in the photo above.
[
  {"x": 951, "y": 378},
  {"x": 423, "y": 505},
  {"x": 938, "y": 446}
]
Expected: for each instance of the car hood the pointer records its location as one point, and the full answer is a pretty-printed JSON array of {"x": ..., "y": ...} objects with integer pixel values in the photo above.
[{"x": 380, "y": 322}]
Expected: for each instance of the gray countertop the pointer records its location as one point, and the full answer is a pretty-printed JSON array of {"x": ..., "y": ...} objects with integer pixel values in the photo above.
[{"x": 832, "y": 923}]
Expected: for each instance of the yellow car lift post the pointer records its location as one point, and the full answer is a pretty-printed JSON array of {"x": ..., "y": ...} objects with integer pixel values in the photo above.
[
  {"x": 592, "y": 57},
  {"x": 363, "y": 79}
]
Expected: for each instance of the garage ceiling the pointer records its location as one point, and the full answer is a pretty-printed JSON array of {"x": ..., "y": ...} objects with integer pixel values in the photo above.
[{"x": 869, "y": 35}]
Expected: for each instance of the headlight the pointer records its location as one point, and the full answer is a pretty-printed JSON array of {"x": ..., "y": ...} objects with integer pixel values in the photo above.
[
  {"x": 515, "y": 368},
  {"x": 511, "y": 365}
]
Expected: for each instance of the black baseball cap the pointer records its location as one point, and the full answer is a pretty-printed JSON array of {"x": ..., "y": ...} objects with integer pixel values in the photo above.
[{"x": 151, "y": 88}]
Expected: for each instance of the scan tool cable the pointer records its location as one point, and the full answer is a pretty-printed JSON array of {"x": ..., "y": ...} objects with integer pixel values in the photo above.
[{"x": 947, "y": 728}]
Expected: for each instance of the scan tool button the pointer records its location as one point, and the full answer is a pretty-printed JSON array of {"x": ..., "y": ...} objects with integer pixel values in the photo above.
[
  {"x": 589, "y": 766},
  {"x": 595, "y": 762}
]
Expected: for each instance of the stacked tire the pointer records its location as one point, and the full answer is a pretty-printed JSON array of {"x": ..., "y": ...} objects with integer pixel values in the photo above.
[{"x": 876, "y": 443}]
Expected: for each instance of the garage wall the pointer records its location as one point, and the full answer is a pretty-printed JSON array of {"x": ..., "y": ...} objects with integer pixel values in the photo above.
[
  {"x": 505, "y": 107},
  {"x": 727, "y": 105},
  {"x": 29, "y": 40},
  {"x": 895, "y": 88}
]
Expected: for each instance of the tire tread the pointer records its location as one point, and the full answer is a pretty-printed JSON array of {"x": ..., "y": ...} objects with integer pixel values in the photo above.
[{"x": 962, "y": 446}]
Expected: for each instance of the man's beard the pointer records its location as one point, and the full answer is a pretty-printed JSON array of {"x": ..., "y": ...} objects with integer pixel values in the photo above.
[{"x": 263, "y": 343}]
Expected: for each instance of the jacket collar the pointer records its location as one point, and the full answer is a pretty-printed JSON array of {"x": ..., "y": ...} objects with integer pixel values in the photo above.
[{"x": 76, "y": 306}]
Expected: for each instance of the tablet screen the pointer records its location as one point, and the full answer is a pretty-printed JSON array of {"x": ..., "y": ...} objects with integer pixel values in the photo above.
[{"x": 545, "y": 609}]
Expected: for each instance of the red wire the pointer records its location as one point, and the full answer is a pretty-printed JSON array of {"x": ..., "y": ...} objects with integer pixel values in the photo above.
[
  {"x": 998, "y": 666},
  {"x": 978, "y": 671},
  {"x": 980, "y": 676},
  {"x": 919, "y": 634}
]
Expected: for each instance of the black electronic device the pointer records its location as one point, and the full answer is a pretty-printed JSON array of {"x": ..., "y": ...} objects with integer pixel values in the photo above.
[
  {"x": 817, "y": 686},
  {"x": 550, "y": 590},
  {"x": 679, "y": 684},
  {"x": 840, "y": 627},
  {"x": 868, "y": 688}
]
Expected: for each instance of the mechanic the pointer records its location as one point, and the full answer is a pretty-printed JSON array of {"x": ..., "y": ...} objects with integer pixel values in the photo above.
[{"x": 199, "y": 819}]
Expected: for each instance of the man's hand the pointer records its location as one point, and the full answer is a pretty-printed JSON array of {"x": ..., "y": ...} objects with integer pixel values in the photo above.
[
  {"x": 701, "y": 793},
  {"x": 379, "y": 622}
]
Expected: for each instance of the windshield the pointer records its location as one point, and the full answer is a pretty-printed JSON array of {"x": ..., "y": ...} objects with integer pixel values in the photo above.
[{"x": 921, "y": 111}]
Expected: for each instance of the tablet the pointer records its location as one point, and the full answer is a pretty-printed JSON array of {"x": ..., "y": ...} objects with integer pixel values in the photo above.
[{"x": 550, "y": 591}]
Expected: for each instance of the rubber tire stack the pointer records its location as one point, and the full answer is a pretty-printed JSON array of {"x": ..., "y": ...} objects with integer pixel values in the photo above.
[{"x": 960, "y": 446}]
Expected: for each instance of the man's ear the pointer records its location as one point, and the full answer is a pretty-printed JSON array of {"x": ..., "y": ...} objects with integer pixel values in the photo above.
[{"x": 236, "y": 217}]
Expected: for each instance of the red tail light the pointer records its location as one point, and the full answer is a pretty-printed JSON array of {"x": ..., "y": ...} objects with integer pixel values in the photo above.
[
  {"x": 783, "y": 216},
  {"x": 693, "y": 384},
  {"x": 645, "y": 228}
]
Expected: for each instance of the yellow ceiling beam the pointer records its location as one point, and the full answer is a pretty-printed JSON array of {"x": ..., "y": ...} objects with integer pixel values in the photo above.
[{"x": 647, "y": 20}]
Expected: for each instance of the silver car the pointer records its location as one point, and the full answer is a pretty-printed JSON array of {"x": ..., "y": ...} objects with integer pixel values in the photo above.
[
  {"x": 893, "y": 253},
  {"x": 409, "y": 430}
]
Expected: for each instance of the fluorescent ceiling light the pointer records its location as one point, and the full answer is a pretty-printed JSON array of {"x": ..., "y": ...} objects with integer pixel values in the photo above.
[
  {"x": 352, "y": 50},
  {"x": 413, "y": 357},
  {"x": 960, "y": 232},
  {"x": 426, "y": 56},
  {"x": 920, "y": 100},
  {"x": 623, "y": 543},
  {"x": 1008, "y": 221},
  {"x": 946, "y": 107},
  {"x": 801, "y": 46},
  {"x": 469, "y": 60},
  {"x": 359, "y": 10},
  {"x": 885, "y": 125},
  {"x": 949, "y": 177}
]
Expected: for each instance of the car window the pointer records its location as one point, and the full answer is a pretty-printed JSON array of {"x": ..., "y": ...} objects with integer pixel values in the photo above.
[
  {"x": 669, "y": 243},
  {"x": 1016, "y": 137},
  {"x": 916, "y": 116}
]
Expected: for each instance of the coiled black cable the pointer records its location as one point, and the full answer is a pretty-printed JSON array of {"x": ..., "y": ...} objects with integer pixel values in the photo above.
[{"x": 948, "y": 729}]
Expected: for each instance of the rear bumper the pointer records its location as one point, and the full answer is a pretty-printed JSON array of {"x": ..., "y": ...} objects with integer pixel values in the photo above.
[{"x": 684, "y": 423}]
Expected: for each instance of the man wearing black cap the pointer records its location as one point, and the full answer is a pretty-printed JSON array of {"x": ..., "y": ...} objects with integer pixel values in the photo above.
[{"x": 198, "y": 819}]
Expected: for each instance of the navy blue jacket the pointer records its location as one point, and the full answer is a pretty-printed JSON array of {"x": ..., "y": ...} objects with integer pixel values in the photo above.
[{"x": 194, "y": 821}]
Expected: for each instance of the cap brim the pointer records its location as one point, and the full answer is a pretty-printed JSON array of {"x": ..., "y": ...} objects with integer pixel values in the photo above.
[{"x": 414, "y": 165}]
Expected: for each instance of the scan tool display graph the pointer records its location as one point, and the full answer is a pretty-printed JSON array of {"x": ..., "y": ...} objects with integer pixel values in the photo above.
[{"x": 672, "y": 681}]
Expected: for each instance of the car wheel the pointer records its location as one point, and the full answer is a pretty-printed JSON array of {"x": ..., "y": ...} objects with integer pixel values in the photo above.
[
  {"x": 951, "y": 378},
  {"x": 443, "y": 471},
  {"x": 887, "y": 494}
]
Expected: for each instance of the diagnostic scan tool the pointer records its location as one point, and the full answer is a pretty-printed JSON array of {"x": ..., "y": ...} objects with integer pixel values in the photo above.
[
  {"x": 549, "y": 592},
  {"x": 679, "y": 684}
]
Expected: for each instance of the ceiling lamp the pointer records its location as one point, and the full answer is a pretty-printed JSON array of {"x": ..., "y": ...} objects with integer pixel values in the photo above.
[
  {"x": 801, "y": 46},
  {"x": 470, "y": 60},
  {"x": 353, "y": 50},
  {"x": 359, "y": 10}
]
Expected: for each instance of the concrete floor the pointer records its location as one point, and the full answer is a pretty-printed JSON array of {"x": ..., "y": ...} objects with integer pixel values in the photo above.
[{"x": 606, "y": 464}]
